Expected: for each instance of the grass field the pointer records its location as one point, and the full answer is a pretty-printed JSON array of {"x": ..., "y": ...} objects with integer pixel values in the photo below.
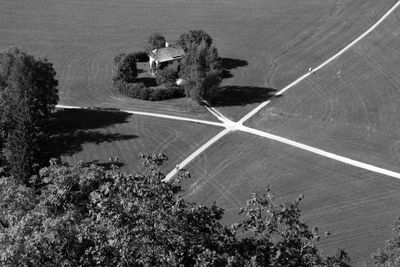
[
  {"x": 266, "y": 43},
  {"x": 350, "y": 107},
  {"x": 97, "y": 135},
  {"x": 355, "y": 205}
]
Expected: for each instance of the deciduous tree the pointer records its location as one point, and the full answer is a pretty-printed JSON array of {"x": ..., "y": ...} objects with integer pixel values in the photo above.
[
  {"x": 88, "y": 216},
  {"x": 125, "y": 68},
  {"x": 201, "y": 70},
  {"x": 155, "y": 41},
  {"x": 389, "y": 255},
  {"x": 28, "y": 94},
  {"x": 192, "y": 39}
]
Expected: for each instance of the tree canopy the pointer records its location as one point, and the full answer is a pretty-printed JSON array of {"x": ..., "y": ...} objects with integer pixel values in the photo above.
[
  {"x": 194, "y": 38},
  {"x": 28, "y": 94},
  {"x": 155, "y": 41},
  {"x": 125, "y": 68},
  {"x": 201, "y": 68},
  {"x": 89, "y": 216},
  {"x": 389, "y": 255}
]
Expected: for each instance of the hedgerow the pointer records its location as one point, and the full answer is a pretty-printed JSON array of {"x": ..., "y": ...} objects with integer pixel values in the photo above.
[{"x": 141, "y": 91}]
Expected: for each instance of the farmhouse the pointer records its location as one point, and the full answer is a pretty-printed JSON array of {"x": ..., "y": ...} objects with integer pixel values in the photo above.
[{"x": 164, "y": 56}]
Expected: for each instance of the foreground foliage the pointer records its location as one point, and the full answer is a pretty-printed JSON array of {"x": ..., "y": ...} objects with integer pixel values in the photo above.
[
  {"x": 88, "y": 216},
  {"x": 389, "y": 255}
]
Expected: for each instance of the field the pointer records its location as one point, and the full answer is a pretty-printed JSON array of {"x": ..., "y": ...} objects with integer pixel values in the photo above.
[
  {"x": 92, "y": 135},
  {"x": 355, "y": 205},
  {"x": 350, "y": 107},
  {"x": 266, "y": 44}
]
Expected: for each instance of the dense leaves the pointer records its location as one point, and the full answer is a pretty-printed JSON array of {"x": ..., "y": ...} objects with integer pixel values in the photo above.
[
  {"x": 166, "y": 76},
  {"x": 201, "y": 69},
  {"x": 155, "y": 41},
  {"x": 88, "y": 216},
  {"x": 28, "y": 94},
  {"x": 141, "y": 91},
  {"x": 192, "y": 39},
  {"x": 389, "y": 255},
  {"x": 124, "y": 68}
]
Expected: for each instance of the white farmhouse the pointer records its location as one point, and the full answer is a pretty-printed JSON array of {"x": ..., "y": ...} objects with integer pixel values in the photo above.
[{"x": 164, "y": 56}]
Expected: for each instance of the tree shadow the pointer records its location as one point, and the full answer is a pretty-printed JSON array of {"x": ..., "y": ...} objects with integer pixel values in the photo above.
[
  {"x": 229, "y": 64},
  {"x": 149, "y": 82},
  {"x": 232, "y": 63},
  {"x": 242, "y": 95},
  {"x": 69, "y": 129}
]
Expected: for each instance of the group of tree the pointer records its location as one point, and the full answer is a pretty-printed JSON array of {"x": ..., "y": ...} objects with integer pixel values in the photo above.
[
  {"x": 124, "y": 78},
  {"x": 28, "y": 95},
  {"x": 200, "y": 70},
  {"x": 89, "y": 216}
]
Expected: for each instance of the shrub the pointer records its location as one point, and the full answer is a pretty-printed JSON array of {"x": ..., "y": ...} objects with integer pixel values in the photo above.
[
  {"x": 140, "y": 91},
  {"x": 166, "y": 76},
  {"x": 171, "y": 91},
  {"x": 134, "y": 90},
  {"x": 125, "y": 68}
]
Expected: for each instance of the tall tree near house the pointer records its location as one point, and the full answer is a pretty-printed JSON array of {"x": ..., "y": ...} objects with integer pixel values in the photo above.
[
  {"x": 155, "y": 41},
  {"x": 28, "y": 95},
  {"x": 201, "y": 69},
  {"x": 192, "y": 39}
]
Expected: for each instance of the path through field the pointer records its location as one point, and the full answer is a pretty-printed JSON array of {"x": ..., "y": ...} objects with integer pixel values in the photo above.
[{"x": 227, "y": 122}]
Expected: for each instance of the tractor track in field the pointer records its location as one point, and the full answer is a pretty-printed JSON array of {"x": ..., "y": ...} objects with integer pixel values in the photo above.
[{"x": 231, "y": 126}]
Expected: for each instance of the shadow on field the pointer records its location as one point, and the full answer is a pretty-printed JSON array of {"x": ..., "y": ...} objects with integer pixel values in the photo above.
[
  {"x": 71, "y": 128},
  {"x": 242, "y": 95},
  {"x": 229, "y": 64}
]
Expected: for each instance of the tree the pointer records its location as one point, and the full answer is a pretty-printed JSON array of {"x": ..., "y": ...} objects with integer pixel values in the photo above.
[
  {"x": 89, "y": 216},
  {"x": 155, "y": 41},
  {"x": 276, "y": 236},
  {"x": 124, "y": 68},
  {"x": 192, "y": 39},
  {"x": 201, "y": 70},
  {"x": 166, "y": 76},
  {"x": 389, "y": 255},
  {"x": 28, "y": 95},
  {"x": 23, "y": 74}
]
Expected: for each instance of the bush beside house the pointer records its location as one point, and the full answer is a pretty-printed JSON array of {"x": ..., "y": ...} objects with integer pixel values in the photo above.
[{"x": 195, "y": 61}]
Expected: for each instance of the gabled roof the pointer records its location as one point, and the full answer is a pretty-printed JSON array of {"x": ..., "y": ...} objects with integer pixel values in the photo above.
[{"x": 167, "y": 53}]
